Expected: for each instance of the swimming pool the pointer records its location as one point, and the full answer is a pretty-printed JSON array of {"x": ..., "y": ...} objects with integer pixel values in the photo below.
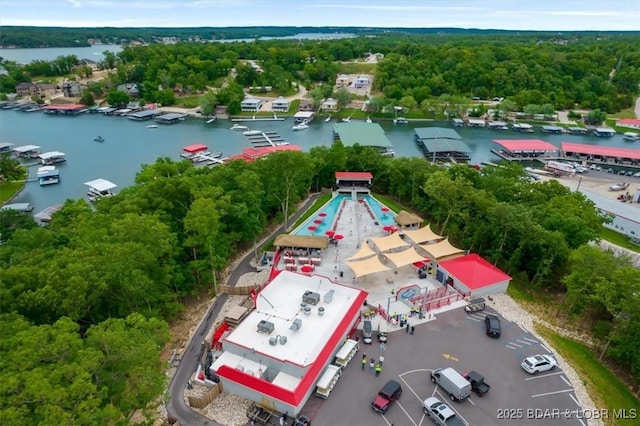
[{"x": 322, "y": 221}]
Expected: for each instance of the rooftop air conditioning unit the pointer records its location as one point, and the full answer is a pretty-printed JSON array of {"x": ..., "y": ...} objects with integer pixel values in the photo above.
[
  {"x": 296, "y": 324},
  {"x": 273, "y": 341},
  {"x": 283, "y": 340},
  {"x": 265, "y": 327},
  {"x": 328, "y": 297},
  {"x": 311, "y": 298}
]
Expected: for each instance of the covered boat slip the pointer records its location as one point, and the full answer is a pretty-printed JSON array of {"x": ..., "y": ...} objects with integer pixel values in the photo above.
[
  {"x": 440, "y": 143},
  {"x": 5, "y": 147},
  {"x": 100, "y": 188},
  {"x": 596, "y": 153},
  {"x": 19, "y": 207},
  {"x": 144, "y": 115},
  {"x": 359, "y": 132},
  {"x": 171, "y": 118},
  {"x": 52, "y": 157},
  {"x": 50, "y": 177},
  {"x": 524, "y": 149},
  {"x": 27, "y": 151}
]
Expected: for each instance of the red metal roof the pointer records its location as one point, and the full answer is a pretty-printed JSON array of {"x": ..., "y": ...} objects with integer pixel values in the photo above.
[
  {"x": 354, "y": 175},
  {"x": 63, "y": 107},
  {"x": 195, "y": 148},
  {"x": 296, "y": 397},
  {"x": 474, "y": 271},
  {"x": 608, "y": 151},
  {"x": 251, "y": 154},
  {"x": 623, "y": 121},
  {"x": 515, "y": 145}
]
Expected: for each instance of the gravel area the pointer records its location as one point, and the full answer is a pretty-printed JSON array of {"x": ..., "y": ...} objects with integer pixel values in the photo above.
[
  {"x": 508, "y": 308},
  {"x": 228, "y": 410}
]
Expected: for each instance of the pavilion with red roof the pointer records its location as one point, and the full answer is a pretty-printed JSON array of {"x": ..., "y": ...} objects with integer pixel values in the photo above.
[
  {"x": 354, "y": 183},
  {"x": 604, "y": 152},
  {"x": 525, "y": 147},
  {"x": 473, "y": 274},
  {"x": 66, "y": 109},
  {"x": 631, "y": 123}
]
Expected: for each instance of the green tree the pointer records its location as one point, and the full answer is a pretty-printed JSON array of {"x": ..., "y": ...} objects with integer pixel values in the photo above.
[
  {"x": 595, "y": 117},
  {"x": 208, "y": 103},
  {"x": 343, "y": 96},
  {"x": 87, "y": 98},
  {"x": 117, "y": 98}
]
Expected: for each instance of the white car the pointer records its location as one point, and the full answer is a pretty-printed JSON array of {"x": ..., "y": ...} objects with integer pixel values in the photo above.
[{"x": 539, "y": 363}]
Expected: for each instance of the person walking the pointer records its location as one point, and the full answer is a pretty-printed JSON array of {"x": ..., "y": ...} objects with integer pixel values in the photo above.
[
  {"x": 378, "y": 369},
  {"x": 413, "y": 328},
  {"x": 382, "y": 347},
  {"x": 364, "y": 361},
  {"x": 372, "y": 364},
  {"x": 407, "y": 329},
  {"x": 381, "y": 360}
]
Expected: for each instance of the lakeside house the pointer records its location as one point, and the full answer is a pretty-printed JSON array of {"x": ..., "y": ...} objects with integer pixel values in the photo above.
[
  {"x": 280, "y": 105},
  {"x": 36, "y": 90},
  {"x": 72, "y": 89},
  {"x": 306, "y": 106},
  {"x": 631, "y": 123},
  {"x": 362, "y": 81},
  {"x": 329, "y": 105},
  {"x": 251, "y": 105}
]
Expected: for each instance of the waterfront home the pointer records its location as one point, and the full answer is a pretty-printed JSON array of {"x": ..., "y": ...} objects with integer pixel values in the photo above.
[
  {"x": 306, "y": 106},
  {"x": 342, "y": 81},
  {"x": 329, "y": 105},
  {"x": 130, "y": 89},
  {"x": 631, "y": 123},
  {"x": 72, "y": 89},
  {"x": 280, "y": 105},
  {"x": 36, "y": 90},
  {"x": 251, "y": 105}
]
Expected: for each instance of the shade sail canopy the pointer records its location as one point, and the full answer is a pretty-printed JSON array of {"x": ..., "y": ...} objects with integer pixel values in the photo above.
[
  {"x": 390, "y": 242},
  {"x": 365, "y": 251},
  {"x": 406, "y": 257},
  {"x": 474, "y": 271},
  {"x": 367, "y": 266},
  {"x": 422, "y": 235},
  {"x": 404, "y": 218},
  {"x": 301, "y": 241},
  {"x": 441, "y": 249}
]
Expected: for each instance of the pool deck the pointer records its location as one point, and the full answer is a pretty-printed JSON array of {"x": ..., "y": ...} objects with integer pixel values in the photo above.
[{"x": 356, "y": 225}]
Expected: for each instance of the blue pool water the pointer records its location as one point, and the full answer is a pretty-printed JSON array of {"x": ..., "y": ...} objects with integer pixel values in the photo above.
[{"x": 331, "y": 210}]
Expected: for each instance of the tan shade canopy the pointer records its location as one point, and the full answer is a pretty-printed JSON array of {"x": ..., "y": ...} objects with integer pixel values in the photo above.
[
  {"x": 365, "y": 251},
  {"x": 441, "y": 249},
  {"x": 367, "y": 266},
  {"x": 404, "y": 218},
  {"x": 422, "y": 235},
  {"x": 389, "y": 242},
  {"x": 406, "y": 257},
  {"x": 301, "y": 241}
]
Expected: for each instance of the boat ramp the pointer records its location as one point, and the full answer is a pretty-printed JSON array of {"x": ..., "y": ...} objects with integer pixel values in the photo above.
[{"x": 265, "y": 139}]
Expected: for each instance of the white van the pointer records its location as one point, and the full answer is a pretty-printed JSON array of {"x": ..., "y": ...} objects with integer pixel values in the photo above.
[{"x": 456, "y": 386}]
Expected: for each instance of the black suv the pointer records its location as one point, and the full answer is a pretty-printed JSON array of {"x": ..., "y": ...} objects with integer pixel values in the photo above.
[
  {"x": 492, "y": 324},
  {"x": 389, "y": 393}
]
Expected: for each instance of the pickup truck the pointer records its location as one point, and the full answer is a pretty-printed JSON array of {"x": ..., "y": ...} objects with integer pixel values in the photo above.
[
  {"x": 478, "y": 386},
  {"x": 440, "y": 413}
]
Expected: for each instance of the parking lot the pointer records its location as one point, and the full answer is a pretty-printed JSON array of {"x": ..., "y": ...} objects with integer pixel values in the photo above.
[{"x": 455, "y": 339}]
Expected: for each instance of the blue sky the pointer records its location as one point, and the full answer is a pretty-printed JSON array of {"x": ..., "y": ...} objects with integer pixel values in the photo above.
[{"x": 555, "y": 15}]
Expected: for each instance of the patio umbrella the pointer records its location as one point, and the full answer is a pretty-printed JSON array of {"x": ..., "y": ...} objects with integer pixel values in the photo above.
[
  {"x": 323, "y": 214},
  {"x": 306, "y": 269},
  {"x": 338, "y": 236},
  {"x": 312, "y": 228},
  {"x": 419, "y": 264},
  {"x": 329, "y": 233},
  {"x": 385, "y": 209},
  {"x": 317, "y": 221},
  {"x": 390, "y": 228}
]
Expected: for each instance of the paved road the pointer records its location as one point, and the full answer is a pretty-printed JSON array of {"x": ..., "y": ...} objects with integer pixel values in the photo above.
[{"x": 176, "y": 407}]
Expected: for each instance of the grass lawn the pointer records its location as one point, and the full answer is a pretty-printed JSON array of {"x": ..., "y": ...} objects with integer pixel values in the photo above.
[
  {"x": 357, "y": 68},
  {"x": 605, "y": 389},
  {"x": 619, "y": 239},
  {"x": 392, "y": 204},
  {"x": 625, "y": 113},
  {"x": 321, "y": 201},
  {"x": 192, "y": 101},
  {"x": 9, "y": 189}
]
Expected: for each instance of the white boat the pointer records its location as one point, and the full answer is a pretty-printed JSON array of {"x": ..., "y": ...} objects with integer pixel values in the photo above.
[
  {"x": 211, "y": 120},
  {"x": 238, "y": 127},
  {"x": 252, "y": 132},
  {"x": 282, "y": 143},
  {"x": 631, "y": 136},
  {"x": 400, "y": 120},
  {"x": 328, "y": 119},
  {"x": 346, "y": 120},
  {"x": 152, "y": 126},
  {"x": 98, "y": 139},
  {"x": 369, "y": 120},
  {"x": 301, "y": 126}
]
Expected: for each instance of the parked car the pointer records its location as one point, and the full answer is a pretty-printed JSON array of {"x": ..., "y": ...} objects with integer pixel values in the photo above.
[
  {"x": 302, "y": 420},
  {"x": 610, "y": 170},
  {"x": 539, "y": 363},
  {"x": 492, "y": 325},
  {"x": 595, "y": 167},
  {"x": 637, "y": 174},
  {"x": 390, "y": 392},
  {"x": 622, "y": 172},
  {"x": 629, "y": 173}
]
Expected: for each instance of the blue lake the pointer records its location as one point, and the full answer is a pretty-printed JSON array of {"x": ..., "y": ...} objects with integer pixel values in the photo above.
[{"x": 129, "y": 144}]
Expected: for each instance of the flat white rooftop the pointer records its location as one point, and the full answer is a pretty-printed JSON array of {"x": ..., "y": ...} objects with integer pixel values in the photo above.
[{"x": 279, "y": 303}]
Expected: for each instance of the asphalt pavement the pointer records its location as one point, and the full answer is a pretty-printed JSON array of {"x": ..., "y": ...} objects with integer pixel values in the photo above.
[{"x": 177, "y": 408}]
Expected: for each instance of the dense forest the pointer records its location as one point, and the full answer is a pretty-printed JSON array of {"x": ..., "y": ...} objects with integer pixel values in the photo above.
[
  {"x": 84, "y": 300},
  {"x": 26, "y": 37},
  {"x": 419, "y": 72}
]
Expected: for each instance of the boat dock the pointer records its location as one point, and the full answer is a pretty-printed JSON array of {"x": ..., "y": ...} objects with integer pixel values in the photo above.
[
  {"x": 254, "y": 118},
  {"x": 266, "y": 139}
]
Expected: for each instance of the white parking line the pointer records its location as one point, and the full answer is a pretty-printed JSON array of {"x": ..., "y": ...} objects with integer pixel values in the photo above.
[
  {"x": 510, "y": 347},
  {"x": 545, "y": 375},
  {"x": 545, "y": 348},
  {"x": 407, "y": 384},
  {"x": 583, "y": 423},
  {"x": 524, "y": 342},
  {"x": 515, "y": 344},
  {"x": 575, "y": 400},
  {"x": 474, "y": 319},
  {"x": 469, "y": 399},
  {"x": 551, "y": 393},
  {"x": 405, "y": 412},
  {"x": 565, "y": 380},
  {"x": 531, "y": 340}
]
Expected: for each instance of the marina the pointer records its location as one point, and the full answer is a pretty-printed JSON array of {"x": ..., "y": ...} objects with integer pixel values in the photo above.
[{"x": 129, "y": 144}]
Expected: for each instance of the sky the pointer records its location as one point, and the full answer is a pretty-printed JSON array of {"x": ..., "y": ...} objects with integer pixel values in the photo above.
[{"x": 540, "y": 15}]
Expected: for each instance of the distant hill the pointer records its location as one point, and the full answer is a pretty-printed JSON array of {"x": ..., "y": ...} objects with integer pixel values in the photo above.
[{"x": 25, "y": 37}]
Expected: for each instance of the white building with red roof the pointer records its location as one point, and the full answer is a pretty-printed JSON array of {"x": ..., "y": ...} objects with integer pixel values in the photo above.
[
  {"x": 473, "y": 274},
  {"x": 277, "y": 354},
  {"x": 631, "y": 123},
  {"x": 356, "y": 184}
]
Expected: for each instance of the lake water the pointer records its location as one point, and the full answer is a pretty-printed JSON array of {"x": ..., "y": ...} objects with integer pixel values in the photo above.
[
  {"x": 129, "y": 144},
  {"x": 24, "y": 56}
]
